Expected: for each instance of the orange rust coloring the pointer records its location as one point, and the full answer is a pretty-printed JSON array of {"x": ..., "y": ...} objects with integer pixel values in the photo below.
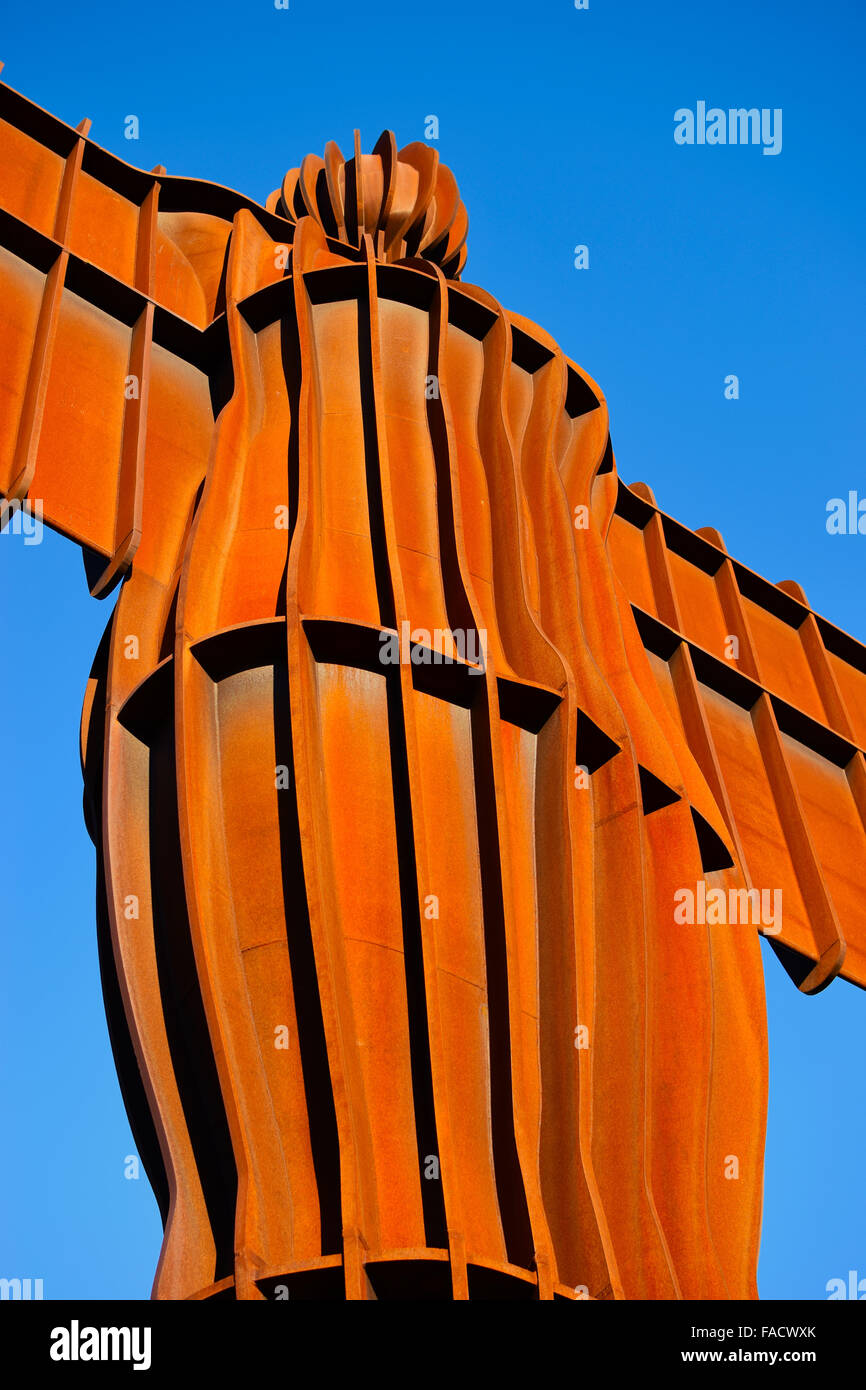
[{"x": 432, "y": 722}]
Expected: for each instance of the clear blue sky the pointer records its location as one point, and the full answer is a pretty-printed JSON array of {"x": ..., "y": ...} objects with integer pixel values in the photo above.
[{"x": 703, "y": 262}]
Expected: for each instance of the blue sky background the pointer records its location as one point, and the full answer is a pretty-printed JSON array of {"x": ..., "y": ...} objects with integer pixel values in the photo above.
[{"x": 703, "y": 262}]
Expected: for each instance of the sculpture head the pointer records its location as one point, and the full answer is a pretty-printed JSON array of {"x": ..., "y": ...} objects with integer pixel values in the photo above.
[{"x": 406, "y": 200}]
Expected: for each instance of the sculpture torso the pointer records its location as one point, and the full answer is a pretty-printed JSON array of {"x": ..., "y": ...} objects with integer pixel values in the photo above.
[
  {"x": 458, "y": 1044},
  {"x": 389, "y": 809}
]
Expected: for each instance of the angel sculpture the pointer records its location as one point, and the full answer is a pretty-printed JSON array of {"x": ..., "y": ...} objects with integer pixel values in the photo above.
[{"x": 412, "y": 731}]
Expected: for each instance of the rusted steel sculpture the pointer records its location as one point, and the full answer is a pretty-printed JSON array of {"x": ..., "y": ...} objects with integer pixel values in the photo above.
[{"x": 410, "y": 726}]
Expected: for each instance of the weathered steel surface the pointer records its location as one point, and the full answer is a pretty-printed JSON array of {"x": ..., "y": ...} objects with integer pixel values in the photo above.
[{"x": 397, "y": 996}]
